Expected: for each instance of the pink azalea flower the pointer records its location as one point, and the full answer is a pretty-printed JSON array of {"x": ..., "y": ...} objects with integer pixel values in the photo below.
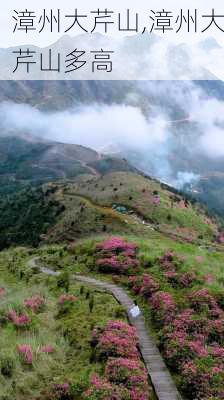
[
  {"x": 26, "y": 352},
  {"x": 34, "y": 303},
  {"x": 66, "y": 298},
  {"x": 18, "y": 320},
  {"x": 48, "y": 349}
]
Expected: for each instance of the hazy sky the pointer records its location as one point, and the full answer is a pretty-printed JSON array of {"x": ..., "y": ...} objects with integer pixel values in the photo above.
[{"x": 7, "y": 38}]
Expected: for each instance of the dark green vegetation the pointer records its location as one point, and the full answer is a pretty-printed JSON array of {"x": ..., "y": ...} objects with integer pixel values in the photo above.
[
  {"x": 211, "y": 191},
  {"x": 25, "y": 216}
]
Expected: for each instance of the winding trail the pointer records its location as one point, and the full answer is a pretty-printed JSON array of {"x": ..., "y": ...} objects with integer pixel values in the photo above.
[{"x": 159, "y": 375}]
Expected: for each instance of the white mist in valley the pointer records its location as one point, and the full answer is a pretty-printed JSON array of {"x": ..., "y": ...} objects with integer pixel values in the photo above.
[{"x": 149, "y": 136}]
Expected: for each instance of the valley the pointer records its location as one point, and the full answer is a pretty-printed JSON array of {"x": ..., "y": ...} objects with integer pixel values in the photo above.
[{"x": 86, "y": 235}]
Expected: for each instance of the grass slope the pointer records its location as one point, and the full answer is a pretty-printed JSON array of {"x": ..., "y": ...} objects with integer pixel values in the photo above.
[
  {"x": 193, "y": 271},
  {"x": 89, "y": 205},
  {"x": 67, "y": 330}
]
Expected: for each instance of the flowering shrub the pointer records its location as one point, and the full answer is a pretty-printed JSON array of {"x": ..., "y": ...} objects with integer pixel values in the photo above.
[
  {"x": 66, "y": 298},
  {"x": 144, "y": 285},
  {"x": 203, "y": 380},
  {"x": 101, "y": 389},
  {"x": 21, "y": 320},
  {"x": 156, "y": 200},
  {"x": 188, "y": 344},
  {"x": 58, "y": 391},
  {"x": 217, "y": 331},
  {"x": 220, "y": 238},
  {"x": 187, "y": 279},
  {"x": 125, "y": 377},
  {"x": 35, "y": 303},
  {"x": 203, "y": 301},
  {"x": 25, "y": 352},
  {"x": 181, "y": 280},
  {"x": 197, "y": 348},
  {"x": 116, "y": 255},
  {"x": 208, "y": 278},
  {"x": 47, "y": 349},
  {"x": 118, "y": 245},
  {"x": 127, "y": 372},
  {"x": 116, "y": 264},
  {"x": 191, "y": 340},
  {"x": 61, "y": 390},
  {"x": 163, "y": 307},
  {"x": 217, "y": 351},
  {"x": 170, "y": 261},
  {"x": 117, "y": 339}
]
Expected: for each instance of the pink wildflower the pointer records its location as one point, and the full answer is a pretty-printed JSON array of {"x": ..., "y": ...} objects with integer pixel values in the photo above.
[
  {"x": 116, "y": 255},
  {"x": 66, "y": 298},
  {"x": 199, "y": 259},
  {"x": 48, "y": 349},
  {"x": 34, "y": 303},
  {"x": 18, "y": 320},
  {"x": 144, "y": 285},
  {"x": 61, "y": 389},
  {"x": 26, "y": 352},
  {"x": 217, "y": 351},
  {"x": 156, "y": 200},
  {"x": 197, "y": 348},
  {"x": 163, "y": 305},
  {"x": 116, "y": 243}
]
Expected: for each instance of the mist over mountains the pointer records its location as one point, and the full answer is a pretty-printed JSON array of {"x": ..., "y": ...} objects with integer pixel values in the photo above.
[{"x": 170, "y": 130}]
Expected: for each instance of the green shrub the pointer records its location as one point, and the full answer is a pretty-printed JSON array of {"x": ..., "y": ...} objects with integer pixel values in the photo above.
[
  {"x": 64, "y": 281},
  {"x": 7, "y": 365},
  {"x": 79, "y": 387},
  {"x": 120, "y": 312},
  {"x": 82, "y": 290},
  {"x": 146, "y": 260},
  {"x": 91, "y": 304}
]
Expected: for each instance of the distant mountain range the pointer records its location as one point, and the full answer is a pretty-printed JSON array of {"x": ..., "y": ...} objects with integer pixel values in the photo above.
[{"x": 134, "y": 57}]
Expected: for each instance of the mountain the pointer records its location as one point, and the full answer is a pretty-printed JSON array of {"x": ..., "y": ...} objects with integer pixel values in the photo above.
[
  {"x": 90, "y": 204},
  {"x": 175, "y": 61},
  {"x": 26, "y": 160},
  {"x": 150, "y": 99}
]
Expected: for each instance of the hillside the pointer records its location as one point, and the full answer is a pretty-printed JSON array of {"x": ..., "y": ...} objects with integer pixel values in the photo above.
[
  {"x": 26, "y": 160},
  {"x": 47, "y": 343},
  {"x": 88, "y": 204},
  {"x": 143, "y": 236}
]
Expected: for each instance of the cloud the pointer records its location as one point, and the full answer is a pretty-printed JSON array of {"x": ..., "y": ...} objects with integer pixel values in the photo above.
[
  {"x": 185, "y": 178},
  {"x": 93, "y": 126},
  {"x": 179, "y": 120}
]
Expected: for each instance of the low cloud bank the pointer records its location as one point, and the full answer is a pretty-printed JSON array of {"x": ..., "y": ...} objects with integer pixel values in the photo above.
[{"x": 153, "y": 136}]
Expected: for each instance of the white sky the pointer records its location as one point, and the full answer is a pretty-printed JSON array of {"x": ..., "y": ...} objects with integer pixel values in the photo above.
[{"x": 7, "y": 38}]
